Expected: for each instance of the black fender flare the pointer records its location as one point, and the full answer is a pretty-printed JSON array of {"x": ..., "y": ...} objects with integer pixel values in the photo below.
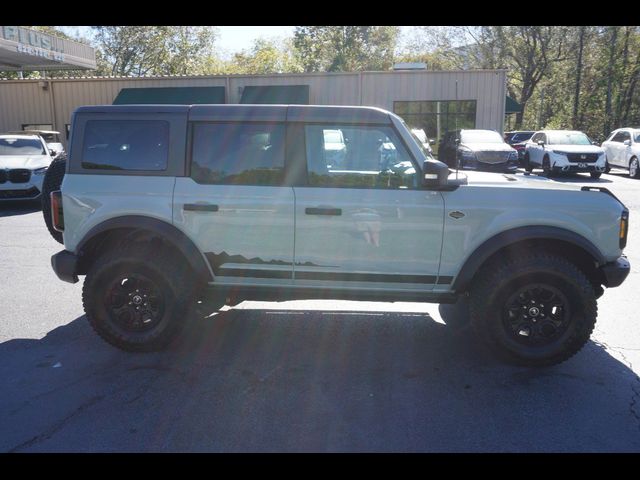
[
  {"x": 513, "y": 236},
  {"x": 165, "y": 230}
]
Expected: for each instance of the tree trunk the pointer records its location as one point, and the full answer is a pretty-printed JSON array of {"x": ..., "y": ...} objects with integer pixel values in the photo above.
[
  {"x": 607, "y": 104},
  {"x": 576, "y": 97}
]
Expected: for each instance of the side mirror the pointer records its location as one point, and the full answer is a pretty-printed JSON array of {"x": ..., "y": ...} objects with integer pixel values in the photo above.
[
  {"x": 541, "y": 143},
  {"x": 595, "y": 143},
  {"x": 52, "y": 152},
  {"x": 627, "y": 142},
  {"x": 432, "y": 142},
  {"x": 434, "y": 173}
]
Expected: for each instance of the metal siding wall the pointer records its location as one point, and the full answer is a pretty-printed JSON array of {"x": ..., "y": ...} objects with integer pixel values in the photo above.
[
  {"x": 323, "y": 89},
  {"x": 23, "y": 103},
  {"x": 26, "y": 102}
]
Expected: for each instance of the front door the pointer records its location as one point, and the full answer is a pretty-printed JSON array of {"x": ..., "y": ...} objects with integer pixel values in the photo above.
[
  {"x": 233, "y": 204},
  {"x": 365, "y": 224}
]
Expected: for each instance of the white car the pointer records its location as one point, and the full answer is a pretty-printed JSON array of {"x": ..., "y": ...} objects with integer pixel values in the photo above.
[
  {"x": 566, "y": 151},
  {"x": 24, "y": 160},
  {"x": 622, "y": 148}
]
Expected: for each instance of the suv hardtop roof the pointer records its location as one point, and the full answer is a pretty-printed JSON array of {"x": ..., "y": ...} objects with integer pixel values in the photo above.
[{"x": 247, "y": 112}]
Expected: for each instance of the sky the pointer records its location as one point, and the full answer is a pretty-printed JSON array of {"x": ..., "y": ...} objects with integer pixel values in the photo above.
[{"x": 231, "y": 39}]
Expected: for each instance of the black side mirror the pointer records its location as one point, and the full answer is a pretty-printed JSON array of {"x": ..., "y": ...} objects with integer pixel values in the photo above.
[
  {"x": 52, "y": 152},
  {"x": 541, "y": 143},
  {"x": 432, "y": 142},
  {"x": 434, "y": 173}
]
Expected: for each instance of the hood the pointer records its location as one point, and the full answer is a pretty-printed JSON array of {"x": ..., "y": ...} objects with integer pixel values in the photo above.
[
  {"x": 489, "y": 147},
  {"x": 24, "y": 161},
  {"x": 576, "y": 148},
  {"x": 509, "y": 180}
]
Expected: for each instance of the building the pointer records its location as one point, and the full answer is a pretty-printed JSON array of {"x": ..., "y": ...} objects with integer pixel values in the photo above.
[{"x": 436, "y": 101}]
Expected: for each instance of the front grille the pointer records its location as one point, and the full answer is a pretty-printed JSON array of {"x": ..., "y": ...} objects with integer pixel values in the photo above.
[
  {"x": 26, "y": 193},
  {"x": 19, "y": 175},
  {"x": 492, "y": 157},
  {"x": 578, "y": 157},
  {"x": 3, "y": 176}
]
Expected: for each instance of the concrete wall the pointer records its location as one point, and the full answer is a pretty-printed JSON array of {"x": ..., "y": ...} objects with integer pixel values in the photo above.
[{"x": 26, "y": 101}]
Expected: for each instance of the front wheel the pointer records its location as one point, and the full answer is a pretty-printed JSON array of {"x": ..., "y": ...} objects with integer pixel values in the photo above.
[
  {"x": 137, "y": 299},
  {"x": 595, "y": 175},
  {"x": 536, "y": 311},
  {"x": 634, "y": 168}
]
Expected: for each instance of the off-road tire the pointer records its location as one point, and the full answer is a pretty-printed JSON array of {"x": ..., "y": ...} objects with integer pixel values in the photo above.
[
  {"x": 501, "y": 279},
  {"x": 171, "y": 276},
  {"x": 51, "y": 182}
]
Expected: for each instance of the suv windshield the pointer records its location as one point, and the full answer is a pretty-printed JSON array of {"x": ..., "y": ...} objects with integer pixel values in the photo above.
[
  {"x": 568, "y": 138},
  {"x": 21, "y": 146},
  {"x": 480, "y": 136}
]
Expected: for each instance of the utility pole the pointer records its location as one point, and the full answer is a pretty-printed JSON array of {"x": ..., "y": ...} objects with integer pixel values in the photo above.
[{"x": 541, "y": 106}]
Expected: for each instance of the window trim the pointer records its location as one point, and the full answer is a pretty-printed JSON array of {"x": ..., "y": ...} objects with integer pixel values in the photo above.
[{"x": 190, "y": 144}]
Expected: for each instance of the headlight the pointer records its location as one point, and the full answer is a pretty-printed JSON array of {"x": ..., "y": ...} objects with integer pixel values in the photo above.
[
  {"x": 467, "y": 153},
  {"x": 559, "y": 152},
  {"x": 513, "y": 155},
  {"x": 40, "y": 171}
]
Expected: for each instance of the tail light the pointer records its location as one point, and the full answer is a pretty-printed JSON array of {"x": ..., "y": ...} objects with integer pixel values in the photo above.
[
  {"x": 57, "y": 215},
  {"x": 624, "y": 228}
]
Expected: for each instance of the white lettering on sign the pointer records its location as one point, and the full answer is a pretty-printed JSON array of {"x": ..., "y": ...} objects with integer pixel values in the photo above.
[
  {"x": 31, "y": 38},
  {"x": 37, "y": 52}
]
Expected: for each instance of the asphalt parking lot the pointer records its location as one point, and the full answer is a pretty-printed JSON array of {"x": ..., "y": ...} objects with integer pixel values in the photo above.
[{"x": 303, "y": 375}]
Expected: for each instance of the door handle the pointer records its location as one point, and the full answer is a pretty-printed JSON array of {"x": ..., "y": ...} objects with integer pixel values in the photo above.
[
  {"x": 323, "y": 211},
  {"x": 200, "y": 207}
]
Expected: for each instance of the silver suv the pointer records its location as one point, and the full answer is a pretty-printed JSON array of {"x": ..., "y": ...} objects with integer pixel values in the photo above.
[{"x": 162, "y": 206}]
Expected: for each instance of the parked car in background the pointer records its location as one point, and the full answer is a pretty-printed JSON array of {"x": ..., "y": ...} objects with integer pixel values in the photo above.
[
  {"x": 518, "y": 140},
  {"x": 24, "y": 160},
  {"x": 622, "y": 150},
  {"x": 566, "y": 151},
  {"x": 420, "y": 134},
  {"x": 477, "y": 150},
  {"x": 51, "y": 138},
  {"x": 335, "y": 147}
]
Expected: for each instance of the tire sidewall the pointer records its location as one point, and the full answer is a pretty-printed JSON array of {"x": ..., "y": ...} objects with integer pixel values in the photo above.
[
  {"x": 98, "y": 314},
  {"x": 577, "y": 332}
]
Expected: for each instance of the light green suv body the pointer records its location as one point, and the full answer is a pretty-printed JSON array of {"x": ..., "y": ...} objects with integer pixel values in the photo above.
[{"x": 245, "y": 199}]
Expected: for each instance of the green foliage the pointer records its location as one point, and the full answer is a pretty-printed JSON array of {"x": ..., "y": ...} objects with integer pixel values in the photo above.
[{"x": 345, "y": 48}]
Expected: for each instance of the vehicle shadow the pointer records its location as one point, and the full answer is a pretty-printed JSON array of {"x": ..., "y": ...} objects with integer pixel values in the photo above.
[
  {"x": 9, "y": 209},
  {"x": 253, "y": 380}
]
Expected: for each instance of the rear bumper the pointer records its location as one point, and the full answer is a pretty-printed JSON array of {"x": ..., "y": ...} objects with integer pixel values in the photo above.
[
  {"x": 615, "y": 273},
  {"x": 65, "y": 264}
]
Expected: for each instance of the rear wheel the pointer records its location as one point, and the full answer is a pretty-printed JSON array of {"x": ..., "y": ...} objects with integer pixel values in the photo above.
[
  {"x": 634, "y": 168},
  {"x": 136, "y": 299},
  {"x": 527, "y": 163},
  {"x": 52, "y": 182},
  {"x": 536, "y": 311}
]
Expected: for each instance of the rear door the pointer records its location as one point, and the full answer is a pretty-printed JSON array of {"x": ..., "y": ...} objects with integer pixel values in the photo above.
[
  {"x": 365, "y": 224},
  {"x": 233, "y": 202}
]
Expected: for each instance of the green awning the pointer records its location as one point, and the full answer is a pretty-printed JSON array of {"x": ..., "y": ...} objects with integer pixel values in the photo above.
[
  {"x": 276, "y": 94},
  {"x": 170, "y": 95},
  {"x": 511, "y": 106}
]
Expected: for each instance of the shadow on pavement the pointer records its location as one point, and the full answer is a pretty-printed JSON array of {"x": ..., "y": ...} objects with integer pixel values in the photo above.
[
  {"x": 9, "y": 209},
  {"x": 570, "y": 177},
  {"x": 270, "y": 380}
]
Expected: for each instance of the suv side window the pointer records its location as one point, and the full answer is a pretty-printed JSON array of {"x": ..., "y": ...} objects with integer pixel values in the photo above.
[
  {"x": 126, "y": 145},
  {"x": 238, "y": 153},
  {"x": 365, "y": 157}
]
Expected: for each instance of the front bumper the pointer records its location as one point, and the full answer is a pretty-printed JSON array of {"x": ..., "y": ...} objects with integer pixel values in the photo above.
[
  {"x": 615, "y": 273},
  {"x": 65, "y": 265},
  {"x": 30, "y": 190}
]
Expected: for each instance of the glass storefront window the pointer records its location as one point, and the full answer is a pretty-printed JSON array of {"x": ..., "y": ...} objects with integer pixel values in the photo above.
[{"x": 437, "y": 117}]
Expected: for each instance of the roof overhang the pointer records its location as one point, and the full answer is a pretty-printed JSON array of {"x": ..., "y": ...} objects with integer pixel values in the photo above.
[{"x": 25, "y": 49}]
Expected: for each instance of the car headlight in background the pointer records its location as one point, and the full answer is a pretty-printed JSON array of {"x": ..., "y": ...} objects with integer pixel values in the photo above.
[
  {"x": 513, "y": 156},
  {"x": 559, "y": 152},
  {"x": 40, "y": 171}
]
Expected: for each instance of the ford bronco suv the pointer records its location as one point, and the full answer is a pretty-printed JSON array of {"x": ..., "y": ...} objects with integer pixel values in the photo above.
[{"x": 163, "y": 205}]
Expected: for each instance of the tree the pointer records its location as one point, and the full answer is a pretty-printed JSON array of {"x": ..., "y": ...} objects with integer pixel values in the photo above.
[
  {"x": 345, "y": 48},
  {"x": 152, "y": 50}
]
